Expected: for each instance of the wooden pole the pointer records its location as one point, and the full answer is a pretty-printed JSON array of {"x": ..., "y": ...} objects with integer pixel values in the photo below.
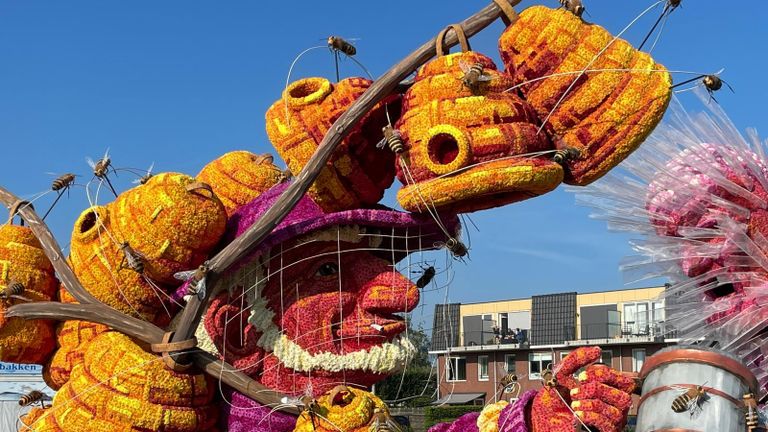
[
  {"x": 50, "y": 247},
  {"x": 150, "y": 334}
]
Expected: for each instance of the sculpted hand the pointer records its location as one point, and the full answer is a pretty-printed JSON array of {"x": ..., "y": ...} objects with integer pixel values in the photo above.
[{"x": 600, "y": 396}]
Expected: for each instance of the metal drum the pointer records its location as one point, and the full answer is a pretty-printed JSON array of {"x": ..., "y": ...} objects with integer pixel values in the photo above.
[{"x": 723, "y": 376}]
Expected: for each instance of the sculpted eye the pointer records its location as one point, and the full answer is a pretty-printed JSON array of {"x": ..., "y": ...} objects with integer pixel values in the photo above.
[{"x": 327, "y": 269}]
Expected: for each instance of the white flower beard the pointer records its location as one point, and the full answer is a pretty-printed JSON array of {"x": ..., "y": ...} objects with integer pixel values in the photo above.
[{"x": 385, "y": 358}]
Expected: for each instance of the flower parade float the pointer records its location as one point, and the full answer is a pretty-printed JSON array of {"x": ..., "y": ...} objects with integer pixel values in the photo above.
[{"x": 250, "y": 298}]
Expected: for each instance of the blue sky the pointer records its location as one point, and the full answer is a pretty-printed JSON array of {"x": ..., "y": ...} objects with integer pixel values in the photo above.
[{"x": 178, "y": 83}]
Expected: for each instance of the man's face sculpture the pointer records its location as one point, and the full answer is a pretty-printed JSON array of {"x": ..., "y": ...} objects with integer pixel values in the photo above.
[{"x": 315, "y": 312}]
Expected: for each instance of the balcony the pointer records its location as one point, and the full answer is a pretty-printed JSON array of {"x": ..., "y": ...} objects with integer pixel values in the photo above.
[
  {"x": 496, "y": 336},
  {"x": 615, "y": 333}
]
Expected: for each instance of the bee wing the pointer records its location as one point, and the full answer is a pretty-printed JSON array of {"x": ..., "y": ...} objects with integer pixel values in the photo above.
[
  {"x": 381, "y": 143},
  {"x": 265, "y": 158},
  {"x": 465, "y": 67},
  {"x": 485, "y": 78},
  {"x": 679, "y": 389},
  {"x": 184, "y": 275},
  {"x": 137, "y": 181},
  {"x": 151, "y": 167},
  {"x": 90, "y": 162},
  {"x": 106, "y": 154},
  {"x": 201, "y": 289},
  {"x": 139, "y": 255}
]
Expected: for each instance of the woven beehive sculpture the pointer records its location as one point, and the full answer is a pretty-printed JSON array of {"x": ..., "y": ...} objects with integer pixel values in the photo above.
[
  {"x": 468, "y": 144},
  {"x": 72, "y": 338},
  {"x": 593, "y": 92},
  {"x": 25, "y": 275},
  {"x": 357, "y": 174},
  {"x": 170, "y": 224},
  {"x": 344, "y": 408},
  {"x": 240, "y": 176},
  {"x": 120, "y": 387}
]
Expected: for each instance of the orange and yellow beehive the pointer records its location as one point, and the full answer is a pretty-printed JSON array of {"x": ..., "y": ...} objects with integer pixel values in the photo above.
[
  {"x": 72, "y": 337},
  {"x": 172, "y": 221},
  {"x": 240, "y": 176},
  {"x": 358, "y": 173},
  {"x": 120, "y": 387},
  {"x": 467, "y": 148},
  {"x": 100, "y": 265},
  {"x": 22, "y": 260},
  {"x": 609, "y": 110},
  {"x": 351, "y": 410}
]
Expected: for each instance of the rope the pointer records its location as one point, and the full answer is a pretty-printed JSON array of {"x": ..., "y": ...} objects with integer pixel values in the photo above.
[
  {"x": 14, "y": 210},
  {"x": 509, "y": 15},
  {"x": 463, "y": 41},
  {"x": 166, "y": 347}
]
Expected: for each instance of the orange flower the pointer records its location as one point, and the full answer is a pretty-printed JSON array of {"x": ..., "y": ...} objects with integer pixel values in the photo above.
[
  {"x": 358, "y": 173},
  {"x": 22, "y": 261},
  {"x": 463, "y": 143},
  {"x": 608, "y": 110},
  {"x": 240, "y": 176},
  {"x": 119, "y": 387}
]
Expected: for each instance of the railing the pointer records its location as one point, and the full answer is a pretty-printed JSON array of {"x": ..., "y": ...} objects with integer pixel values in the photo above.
[
  {"x": 653, "y": 329},
  {"x": 494, "y": 337}
]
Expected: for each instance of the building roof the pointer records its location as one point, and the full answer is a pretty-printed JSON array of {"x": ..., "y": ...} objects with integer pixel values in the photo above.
[
  {"x": 458, "y": 398},
  {"x": 579, "y": 293}
]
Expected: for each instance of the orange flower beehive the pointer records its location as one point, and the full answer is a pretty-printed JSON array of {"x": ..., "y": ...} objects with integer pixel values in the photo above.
[
  {"x": 605, "y": 112},
  {"x": 467, "y": 149},
  {"x": 23, "y": 261},
  {"x": 351, "y": 410},
  {"x": 358, "y": 173},
  {"x": 173, "y": 221},
  {"x": 72, "y": 337},
  {"x": 120, "y": 387},
  {"x": 240, "y": 176}
]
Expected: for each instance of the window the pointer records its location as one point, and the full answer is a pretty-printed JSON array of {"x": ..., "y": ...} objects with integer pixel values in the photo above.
[
  {"x": 638, "y": 358},
  {"x": 537, "y": 363},
  {"x": 564, "y": 354},
  {"x": 509, "y": 363},
  {"x": 658, "y": 312},
  {"x": 636, "y": 318},
  {"x": 456, "y": 369},
  {"x": 482, "y": 368},
  {"x": 504, "y": 323},
  {"x": 607, "y": 357}
]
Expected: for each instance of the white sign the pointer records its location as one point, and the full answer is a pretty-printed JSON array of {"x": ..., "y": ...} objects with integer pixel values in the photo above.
[{"x": 20, "y": 369}]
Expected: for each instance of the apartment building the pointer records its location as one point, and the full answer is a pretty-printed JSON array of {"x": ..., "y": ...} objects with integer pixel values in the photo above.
[{"x": 478, "y": 344}]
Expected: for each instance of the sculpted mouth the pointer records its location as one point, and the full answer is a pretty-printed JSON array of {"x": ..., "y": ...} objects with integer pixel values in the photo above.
[{"x": 370, "y": 325}]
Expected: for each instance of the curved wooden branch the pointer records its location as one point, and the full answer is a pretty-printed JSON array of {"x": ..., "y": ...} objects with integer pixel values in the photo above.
[
  {"x": 243, "y": 245},
  {"x": 51, "y": 248},
  {"x": 98, "y": 313},
  {"x": 149, "y": 334}
]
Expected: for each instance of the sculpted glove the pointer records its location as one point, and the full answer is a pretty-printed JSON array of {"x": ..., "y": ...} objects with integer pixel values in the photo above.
[{"x": 599, "y": 397}]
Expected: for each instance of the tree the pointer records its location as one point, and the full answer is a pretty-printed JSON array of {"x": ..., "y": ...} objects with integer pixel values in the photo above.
[{"x": 416, "y": 385}]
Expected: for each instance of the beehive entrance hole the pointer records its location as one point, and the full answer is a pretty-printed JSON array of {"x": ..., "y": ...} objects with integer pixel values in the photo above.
[
  {"x": 88, "y": 222},
  {"x": 304, "y": 89},
  {"x": 443, "y": 149}
]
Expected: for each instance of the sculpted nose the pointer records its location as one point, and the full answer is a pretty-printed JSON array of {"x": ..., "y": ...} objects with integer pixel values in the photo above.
[{"x": 390, "y": 292}]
